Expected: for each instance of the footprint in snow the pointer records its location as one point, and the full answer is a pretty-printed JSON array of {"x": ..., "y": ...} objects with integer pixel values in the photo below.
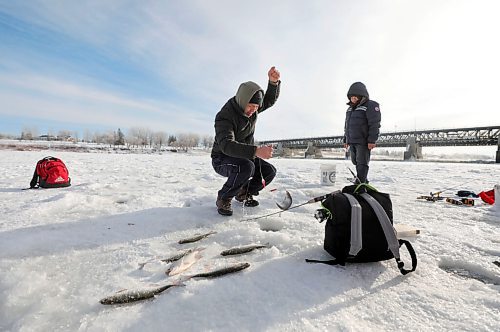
[{"x": 467, "y": 270}]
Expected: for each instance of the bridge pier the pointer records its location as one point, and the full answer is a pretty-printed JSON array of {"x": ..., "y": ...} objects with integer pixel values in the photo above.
[
  {"x": 497, "y": 160},
  {"x": 278, "y": 150},
  {"x": 312, "y": 151},
  {"x": 281, "y": 151},
  {"x": 413, "y": 149}
]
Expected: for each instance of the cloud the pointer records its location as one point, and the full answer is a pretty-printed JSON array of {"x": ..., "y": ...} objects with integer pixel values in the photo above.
[
  {"x": 65, "y": 101},
  {"x": 426, "y": 63}
]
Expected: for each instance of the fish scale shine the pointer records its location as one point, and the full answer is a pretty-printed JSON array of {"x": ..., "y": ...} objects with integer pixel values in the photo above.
[
  {"x": 223, "y": 271},
  {"x": 134, "y": 295},
  {"x": 244, "y": 249},
  {"x": 196, "y": 238}
]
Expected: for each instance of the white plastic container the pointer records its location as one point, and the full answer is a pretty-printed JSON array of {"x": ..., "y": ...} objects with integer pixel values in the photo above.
[{"x": 328, "y": 174}]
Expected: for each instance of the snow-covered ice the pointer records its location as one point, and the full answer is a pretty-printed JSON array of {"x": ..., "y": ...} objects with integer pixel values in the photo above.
[{"x": 62, "y": 250}]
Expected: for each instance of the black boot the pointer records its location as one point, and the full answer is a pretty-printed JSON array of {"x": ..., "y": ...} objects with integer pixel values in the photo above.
[
  {"x": 224, "y": 206},
  {"x": 244, "y": 197}
]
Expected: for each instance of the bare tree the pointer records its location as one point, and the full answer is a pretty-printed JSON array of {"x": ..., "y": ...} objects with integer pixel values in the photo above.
[
  {"x": 132, "y": 138},
  {"x": 29, "y": 133},
  {"x": 140, "y": 136},
  {"x": 8, "y": 136},
  {"x": 187, "y": 140},
  {"x": 50, "y": 135},
  {"x": 207, "y": 141},
  {"x": 98, "y": 138},
  {"x": 159, "y": 138},
  {"x": 87, "y": 136},
  {"x": 109, "y": 138},
  {"x": 63, "y": 135},
  {"x": 194, "y": 140}
]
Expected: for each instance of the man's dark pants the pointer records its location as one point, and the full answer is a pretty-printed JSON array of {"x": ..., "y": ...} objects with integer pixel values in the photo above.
[
  {"x": 242, "y": 172},
  {"x": 360, "y": 156}
]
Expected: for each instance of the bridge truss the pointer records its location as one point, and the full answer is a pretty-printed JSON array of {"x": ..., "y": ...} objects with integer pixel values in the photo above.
[{"x": 438, "y": 137}]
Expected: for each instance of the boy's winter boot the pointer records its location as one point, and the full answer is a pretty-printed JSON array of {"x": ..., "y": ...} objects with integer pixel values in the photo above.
[{"x": 224, "y": 206}]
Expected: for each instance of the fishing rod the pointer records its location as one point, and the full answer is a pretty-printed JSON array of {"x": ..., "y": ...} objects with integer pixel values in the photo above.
[
  {"x": 356, "y": 179},
  {"x": 312, "y": 200},
  {"x": 436, "y": 196},
  {"x": 437, "y": 193},
  {"x": 287, "y": 202}
]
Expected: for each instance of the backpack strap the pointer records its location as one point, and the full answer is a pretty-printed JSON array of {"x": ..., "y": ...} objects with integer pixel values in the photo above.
[
  {"x": 356, "y": 225},
  {"x": 413, "y": 256},
  {"x": 389, "y": 231},
  {"x": 363, "y": 187},
  {"x": 356, "y": 235},
  {"x": 390, "y": 234},
  {"x": 34, "y": 181},
  {"x": 330, "y": 262}
]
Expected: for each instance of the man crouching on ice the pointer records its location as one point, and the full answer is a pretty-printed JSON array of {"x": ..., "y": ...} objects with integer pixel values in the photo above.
[{"x": 234, "y": 154}]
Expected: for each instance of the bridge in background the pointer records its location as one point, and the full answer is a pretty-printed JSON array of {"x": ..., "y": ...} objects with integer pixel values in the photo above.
[{"x": 412, "y": 140}]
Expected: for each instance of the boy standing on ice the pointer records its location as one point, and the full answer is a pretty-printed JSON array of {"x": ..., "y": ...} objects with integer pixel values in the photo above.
[
  {"x": 361, "y": 130},
  {"x": 234, "y": 154}
]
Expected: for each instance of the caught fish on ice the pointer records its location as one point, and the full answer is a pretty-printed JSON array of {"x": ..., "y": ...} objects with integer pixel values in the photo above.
[
  {"x": 170, "y": 259},
  {"x": 243, "y": 249},
  {"x": 177, "y": 257},
  {"x": 185, "y": 263},
  {"x": 196, "y": 238},
  {"x": 128, "y": 296},
  {"x": 223, "y": 271}
]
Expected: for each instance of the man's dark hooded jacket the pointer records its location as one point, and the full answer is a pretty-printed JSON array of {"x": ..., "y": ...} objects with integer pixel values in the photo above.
[
  {"x": 362, "y": 121},
  {"x": 233, "y": 129}
]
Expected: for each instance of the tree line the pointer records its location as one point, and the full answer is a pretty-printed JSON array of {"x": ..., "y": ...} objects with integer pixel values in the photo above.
[{"x": 134, "y": 137}]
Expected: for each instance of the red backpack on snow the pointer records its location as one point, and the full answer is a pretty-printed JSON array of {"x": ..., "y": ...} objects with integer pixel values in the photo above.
[{"x": 50, "y": 172}]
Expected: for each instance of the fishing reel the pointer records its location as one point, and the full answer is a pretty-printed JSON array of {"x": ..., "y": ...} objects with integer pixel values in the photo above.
[{"x": 321, "y": 215}]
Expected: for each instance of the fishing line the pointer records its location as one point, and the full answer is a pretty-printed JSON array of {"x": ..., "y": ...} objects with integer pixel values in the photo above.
[
  {"x": 312, "y": 200},
  {"x": 243, "y": 210},
  {"x": 261, "y": 176}
]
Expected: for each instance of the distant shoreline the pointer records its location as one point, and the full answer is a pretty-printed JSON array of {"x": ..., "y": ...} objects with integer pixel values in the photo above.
[{"x": 83, "y": 147}]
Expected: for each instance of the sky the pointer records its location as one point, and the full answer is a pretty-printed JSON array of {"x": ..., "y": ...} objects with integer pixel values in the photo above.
[
  {"x": 63, "y": 250},
  {"x": 171, "y": 65}
]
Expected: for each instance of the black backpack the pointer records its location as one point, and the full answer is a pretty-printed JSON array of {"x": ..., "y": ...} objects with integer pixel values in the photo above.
[{"x": 359, "y": 228}]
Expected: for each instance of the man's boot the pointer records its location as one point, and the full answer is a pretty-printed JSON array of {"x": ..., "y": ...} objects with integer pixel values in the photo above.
[
  {"x": 224, "y": 206},
  {"x": 244, "y": 197}
]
